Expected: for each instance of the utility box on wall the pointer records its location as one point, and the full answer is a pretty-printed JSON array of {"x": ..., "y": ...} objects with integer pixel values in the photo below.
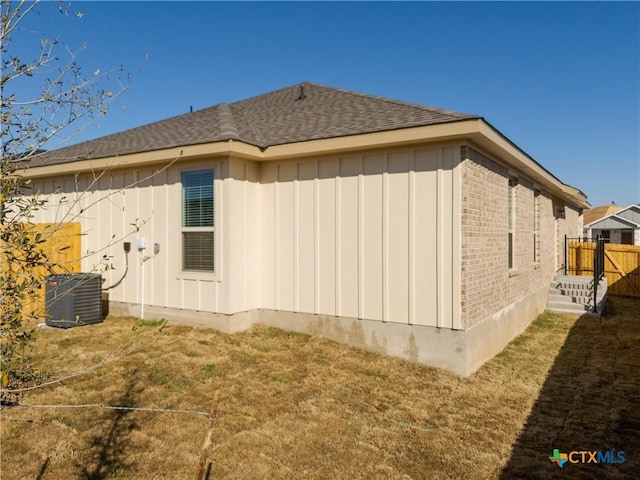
[{"x": 73, "y": 299}]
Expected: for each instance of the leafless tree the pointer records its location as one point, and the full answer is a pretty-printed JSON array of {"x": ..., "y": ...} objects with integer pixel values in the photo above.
[{"x": 45, "y": 100}]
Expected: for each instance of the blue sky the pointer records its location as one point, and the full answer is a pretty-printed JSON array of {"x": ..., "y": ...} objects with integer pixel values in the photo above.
[{"x": 561, "y": 80}]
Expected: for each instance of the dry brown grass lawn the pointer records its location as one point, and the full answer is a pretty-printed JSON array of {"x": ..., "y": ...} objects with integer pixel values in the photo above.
[{"x": 298, "y": 407}]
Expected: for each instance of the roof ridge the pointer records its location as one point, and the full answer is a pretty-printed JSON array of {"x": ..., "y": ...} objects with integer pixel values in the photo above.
[
  {"x": 255, "y": 97},
  {"x": 242, "y": 121},
  {"x": 418, "y": 106}
]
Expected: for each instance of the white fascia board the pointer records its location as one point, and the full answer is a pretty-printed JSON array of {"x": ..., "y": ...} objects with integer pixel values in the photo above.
[
  {"x": 477, "y": 131},
  {"x": 165, "y": 156},
  {"x": 633, "y": 206}
]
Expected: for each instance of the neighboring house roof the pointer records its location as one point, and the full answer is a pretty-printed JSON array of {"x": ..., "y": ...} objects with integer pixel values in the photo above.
[
  {"x": 628, "y": 217},
  {"x": 613, "y": 221},
  {"x": 596, "y": 213},
  {"x": 632, "y": 212},
  {"x": 302, "y": 112}
]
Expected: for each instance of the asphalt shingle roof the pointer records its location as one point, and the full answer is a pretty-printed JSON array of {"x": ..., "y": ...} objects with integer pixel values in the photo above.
[
  {"x": 596, "y": 213},
  {"x": 302, "y": 112}
]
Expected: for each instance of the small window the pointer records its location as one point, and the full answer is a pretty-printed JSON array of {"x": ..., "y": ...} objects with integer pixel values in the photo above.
[
  {"x": 511, "y": 217},
  {"x": 198, "y": 225},
  {"x": 536, "y": 226}
]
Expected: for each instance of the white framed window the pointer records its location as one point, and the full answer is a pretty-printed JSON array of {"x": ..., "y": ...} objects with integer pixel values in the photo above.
[
  {"x": 198, "y": 222},
  {"x": 536, "y": 226},
  {"x": 513, "y": 182}
]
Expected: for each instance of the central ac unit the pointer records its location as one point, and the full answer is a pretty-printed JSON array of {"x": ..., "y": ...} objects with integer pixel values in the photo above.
[{"x": 73, "y": 299}]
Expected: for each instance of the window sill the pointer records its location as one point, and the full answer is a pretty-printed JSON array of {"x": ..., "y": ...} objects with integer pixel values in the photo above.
[
  {"x": 513, "y": 273},
  {"x": 210, "y": 276}
]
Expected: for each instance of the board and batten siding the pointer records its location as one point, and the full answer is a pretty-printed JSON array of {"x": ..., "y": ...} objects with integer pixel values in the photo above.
[
  {"x": 371, "y": 236},
  {"x": 374, "y": 236},
  {"x": 108, "y": 205}
]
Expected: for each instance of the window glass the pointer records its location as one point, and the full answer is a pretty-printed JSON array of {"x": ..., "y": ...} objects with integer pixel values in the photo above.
[{"x": 198, "y": 234}]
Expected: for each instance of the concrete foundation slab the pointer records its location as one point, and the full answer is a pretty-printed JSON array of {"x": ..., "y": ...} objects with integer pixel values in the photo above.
[{"x": 459, "y": 351}]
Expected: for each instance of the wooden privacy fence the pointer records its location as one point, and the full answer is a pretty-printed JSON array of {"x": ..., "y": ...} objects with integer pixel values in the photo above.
[
  {"x": 621, "y": 265},
  {"x": 62, "y": 247}
]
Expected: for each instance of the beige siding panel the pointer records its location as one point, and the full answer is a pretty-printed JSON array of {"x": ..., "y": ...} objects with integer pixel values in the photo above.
[
  {"x": 445, "y": 235},
  {"x": 235, "y": 231},
  {"x": 267, "y": 219},
  {"x": 285, "y": 228},
  {"x": 142, "y": 218},
  {"x": 159, "y": 266},
  {"x": 456, "y": 241},
  {"x": 207, "y": 301},
  {"x": 42, "y": 186},
  {"x": 145, "y": 214},
  {"x": 397, "y": 238},
  {"x": 100, "y": 214},
  {"x": 241, "y": 262},
  {"x": 117, "y": 225},
  {"x": 82, "y": 215},
  {"x": 306, "y": 234},
  {"x": 252, "y": 238},
  {"x": 48, "y": 190},
  {"x": 425, "y": 282},
  {"x": 191, "y": 294},
  {"x": 372, "y": 238},
  {"x": 348, "y": 278},
  {"x": 173, "y": 248},
  {"x": 326, "y": 236},
  {"x": 130, "y": 215}
]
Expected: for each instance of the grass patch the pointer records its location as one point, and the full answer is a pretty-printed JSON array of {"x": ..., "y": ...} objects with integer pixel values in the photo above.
[
  {"x": 285, "y": 377},
  {"x": 209, "y": 367},
  {"x": 299, "y": 407},
  {"x": 151, "y": 323}
]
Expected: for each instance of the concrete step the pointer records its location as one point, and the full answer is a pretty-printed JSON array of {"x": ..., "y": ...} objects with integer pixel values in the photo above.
[
  {"x": 575, "y": 295},
  {"x": 573, "y": 311},
  {"x": 568, "y": 306},
  {"x": 588, "y": 301},
  {"x": 559, "y": 297},
  {"x": 571, "y": 292},
  {"x": 579, "y": 297},
  {"x": 572, "y": 286},
  {"x": 576, "y": 282},
  {"x": 560, "y": 307}
]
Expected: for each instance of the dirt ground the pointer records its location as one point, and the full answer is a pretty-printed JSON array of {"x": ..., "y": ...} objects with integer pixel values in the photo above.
[{"x": 297, "y": 407}]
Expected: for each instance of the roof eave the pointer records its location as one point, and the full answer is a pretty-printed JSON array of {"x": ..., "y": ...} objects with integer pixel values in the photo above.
[
  {"x": 164, "y": 156},
  {"x": 440, "y": 132},
  {"x": 495, "y": 142},
  {"x": 474, "y": 130}
]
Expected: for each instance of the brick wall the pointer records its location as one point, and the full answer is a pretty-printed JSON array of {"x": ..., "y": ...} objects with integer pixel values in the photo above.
[{"x": 488, "y": 284}]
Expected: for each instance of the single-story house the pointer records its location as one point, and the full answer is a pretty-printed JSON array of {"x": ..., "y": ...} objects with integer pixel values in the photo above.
[
  {"x": 409, "y": 230},
  {"x": 622, "y": 226}
]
